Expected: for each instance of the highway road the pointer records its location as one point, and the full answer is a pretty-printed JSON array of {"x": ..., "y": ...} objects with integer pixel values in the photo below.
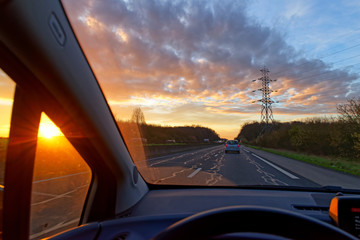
[
  {"x": 212, "y": 167},
  {"x": 62, "y": 197},
  {"x": 56, "y": 203}
]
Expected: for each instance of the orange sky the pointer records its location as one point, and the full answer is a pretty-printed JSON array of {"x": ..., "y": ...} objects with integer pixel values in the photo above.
[
  {"x": 7, "y": 89},
  {"x": 182, "y": 111},
  {"x": 187, "y": 63}
]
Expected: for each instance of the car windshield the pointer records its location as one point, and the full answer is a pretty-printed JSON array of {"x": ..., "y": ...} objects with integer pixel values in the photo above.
[
  {"x": 232, "y": 142},
  {"x": 181, "y": 77}
]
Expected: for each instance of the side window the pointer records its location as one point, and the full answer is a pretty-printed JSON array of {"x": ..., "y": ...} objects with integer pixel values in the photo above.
[
  {"x": 7, "y": 89},
  {"x": 60, "y": 183}
]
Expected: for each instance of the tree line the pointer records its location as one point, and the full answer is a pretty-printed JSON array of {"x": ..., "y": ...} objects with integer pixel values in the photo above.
[
  {"x": 337, "y": 136},
  {"x": 186, "y": 134},
  {"x": 137, "y": 128}
]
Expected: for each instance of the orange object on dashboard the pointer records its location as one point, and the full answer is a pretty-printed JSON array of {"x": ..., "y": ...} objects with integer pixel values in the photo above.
[{"x": 345, "y": 212}]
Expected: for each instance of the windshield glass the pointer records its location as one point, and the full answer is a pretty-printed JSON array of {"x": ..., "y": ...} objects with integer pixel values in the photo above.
[{"x": 182, "y": 77}]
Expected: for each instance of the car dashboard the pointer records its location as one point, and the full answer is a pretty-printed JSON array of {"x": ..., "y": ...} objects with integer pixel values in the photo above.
[{"x": 163, "y": 207}]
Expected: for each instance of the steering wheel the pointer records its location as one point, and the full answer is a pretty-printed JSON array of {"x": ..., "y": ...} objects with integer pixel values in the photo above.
[{"x": 251, "y": 219}]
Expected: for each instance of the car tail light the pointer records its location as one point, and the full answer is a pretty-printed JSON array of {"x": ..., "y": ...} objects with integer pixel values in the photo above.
[
  {"x": 238, "y": 145},
  {"x": 225, "y": 145}
]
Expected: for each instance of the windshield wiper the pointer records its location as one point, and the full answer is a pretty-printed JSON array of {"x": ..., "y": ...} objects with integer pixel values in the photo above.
[
  {"x": 332, "y": 188},
  {"x": 339, "y": 190}
]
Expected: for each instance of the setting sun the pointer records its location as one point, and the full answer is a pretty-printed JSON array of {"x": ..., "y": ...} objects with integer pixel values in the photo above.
[{"x": 47, "y": 128}]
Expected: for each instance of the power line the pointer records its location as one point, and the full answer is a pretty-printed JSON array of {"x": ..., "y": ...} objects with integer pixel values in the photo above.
[
  {"x": 342, "y": 60},
  {"x": 342, "y": 50},
  {"x": 318, "y": 74}
]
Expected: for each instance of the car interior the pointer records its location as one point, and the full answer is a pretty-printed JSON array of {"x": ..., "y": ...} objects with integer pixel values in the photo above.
[{"x": 106, "y": 195}]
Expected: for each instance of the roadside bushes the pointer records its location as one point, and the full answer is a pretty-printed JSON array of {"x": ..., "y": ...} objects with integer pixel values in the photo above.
[
  {"x": 320, "y": 136},
  {"x": 314, "y": 136},
  {"x": 276, "y": 136}
]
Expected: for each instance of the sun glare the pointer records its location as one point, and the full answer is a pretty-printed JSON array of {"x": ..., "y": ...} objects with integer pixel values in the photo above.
[{"x": 48, "y": 129}]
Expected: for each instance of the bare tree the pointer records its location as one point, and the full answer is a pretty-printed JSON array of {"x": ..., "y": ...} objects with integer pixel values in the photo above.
[
  {"x": 138, "y": 116},
  {"x": 350, "y": 111}
]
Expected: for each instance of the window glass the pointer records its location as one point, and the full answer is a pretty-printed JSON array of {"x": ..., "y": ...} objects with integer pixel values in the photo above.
[
  {"x": 182, "y": 77},
  {"x": 7, "y": 89},
  {"x": 60, "y": 183}
]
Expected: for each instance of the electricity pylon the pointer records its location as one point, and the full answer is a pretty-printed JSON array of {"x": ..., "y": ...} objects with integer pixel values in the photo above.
[{"x": 266, "y": 101}]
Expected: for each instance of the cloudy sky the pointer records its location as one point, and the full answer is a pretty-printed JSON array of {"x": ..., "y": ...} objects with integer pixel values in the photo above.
[{"x": 192, "y": 62}]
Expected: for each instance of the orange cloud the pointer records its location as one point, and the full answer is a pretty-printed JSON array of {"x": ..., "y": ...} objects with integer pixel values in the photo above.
[{"x": 189, "y": 65}]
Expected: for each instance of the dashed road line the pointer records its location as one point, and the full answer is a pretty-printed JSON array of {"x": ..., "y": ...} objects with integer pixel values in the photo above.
[
  {"x": 276, "y": 167},
  {"x": 176, "y": 156},
  {"x": 266, "y": 176},
  {"x": 194, "y": 173}
]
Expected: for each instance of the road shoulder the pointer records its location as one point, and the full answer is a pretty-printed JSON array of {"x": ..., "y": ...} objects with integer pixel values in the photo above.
[{"x": 317, "y": 174}]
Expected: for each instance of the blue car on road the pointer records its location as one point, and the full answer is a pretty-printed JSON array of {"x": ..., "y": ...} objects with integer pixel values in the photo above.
[{"x": 232, "y": 146}]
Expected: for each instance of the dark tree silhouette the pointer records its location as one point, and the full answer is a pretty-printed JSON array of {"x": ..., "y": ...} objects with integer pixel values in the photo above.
[
  {"x": 138, "y": 116},
  {"x": 350, "y": 111}
]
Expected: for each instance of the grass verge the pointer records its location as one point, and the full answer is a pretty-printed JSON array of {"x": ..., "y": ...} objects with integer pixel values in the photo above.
[{"x": 351, "y": 166}]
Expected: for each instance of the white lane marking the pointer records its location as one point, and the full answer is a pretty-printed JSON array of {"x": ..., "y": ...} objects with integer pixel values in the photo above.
[
  {"x": 60, "y": 195},
  {"x": 65, "y": 176},
  {"x": 45, "y": 194},
  {"x": 182, "y": 155},
  {"x": 153, "y": 164},
  {"x": 246, "y": 150},
  {"x": 276, "y": 167},
  {"x": 193, "y": 151},
  {"x": 194, "y": 173}
]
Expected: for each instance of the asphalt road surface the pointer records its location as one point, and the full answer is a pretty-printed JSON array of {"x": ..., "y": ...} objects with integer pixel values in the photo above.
[
  {"x": 62, "y": 198},
  {"x": 57, "y": 203},
  {"x": 212, "y": 167}
]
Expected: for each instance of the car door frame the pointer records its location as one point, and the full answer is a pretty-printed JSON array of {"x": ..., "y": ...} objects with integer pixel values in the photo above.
[{"x": 43, "y": 86}]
